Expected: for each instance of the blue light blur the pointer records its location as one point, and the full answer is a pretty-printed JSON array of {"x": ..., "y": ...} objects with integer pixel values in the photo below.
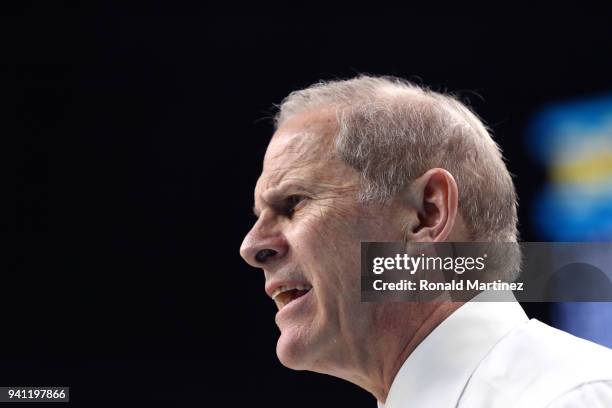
[{"x": 573, "y": 142}]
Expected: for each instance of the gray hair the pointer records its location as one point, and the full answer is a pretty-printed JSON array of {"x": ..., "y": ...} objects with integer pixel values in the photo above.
[{"x": 392, "y": 131}]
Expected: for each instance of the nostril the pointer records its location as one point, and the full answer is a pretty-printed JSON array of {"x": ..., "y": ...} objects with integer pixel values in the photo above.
[{"x": 264, "y": 254}]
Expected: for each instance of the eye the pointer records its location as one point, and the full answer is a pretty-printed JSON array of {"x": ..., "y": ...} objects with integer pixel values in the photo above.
[{"x": 290, "y": 203}]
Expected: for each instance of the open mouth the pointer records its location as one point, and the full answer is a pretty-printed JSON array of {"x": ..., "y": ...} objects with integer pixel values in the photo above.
[{"x": 285, "y": 294}]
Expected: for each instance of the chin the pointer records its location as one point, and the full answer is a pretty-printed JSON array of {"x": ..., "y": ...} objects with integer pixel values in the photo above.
[{"x": 292, "y": 351}]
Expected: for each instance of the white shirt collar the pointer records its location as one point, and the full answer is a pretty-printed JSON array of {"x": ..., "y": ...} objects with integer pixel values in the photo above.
[{"x": 436, "y": 372}]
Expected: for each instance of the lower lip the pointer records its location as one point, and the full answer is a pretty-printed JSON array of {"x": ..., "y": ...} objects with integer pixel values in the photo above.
[{"x": 291, "y": 306}]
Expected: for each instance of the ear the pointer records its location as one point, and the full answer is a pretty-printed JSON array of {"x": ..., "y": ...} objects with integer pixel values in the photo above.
[{"x": 434, "y": 200}]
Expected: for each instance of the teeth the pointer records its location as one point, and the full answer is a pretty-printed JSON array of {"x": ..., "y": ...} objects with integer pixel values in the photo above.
[
  {"x": 282, "y": 296},
  {"x": 285, "y": 288}
]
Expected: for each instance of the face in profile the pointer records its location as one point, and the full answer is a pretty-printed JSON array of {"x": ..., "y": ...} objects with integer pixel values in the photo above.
[{"x": 307, "y": 241}]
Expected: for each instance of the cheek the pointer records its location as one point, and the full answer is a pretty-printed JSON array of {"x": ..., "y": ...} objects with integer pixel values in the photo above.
[
  {"x": 323, "y": 231},
  {"x": 327, "y": 243},
  {"x": 336, "y": 267}
]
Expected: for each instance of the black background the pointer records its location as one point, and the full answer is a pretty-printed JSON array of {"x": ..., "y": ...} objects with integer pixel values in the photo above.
[{"x": 134, "y": 141}]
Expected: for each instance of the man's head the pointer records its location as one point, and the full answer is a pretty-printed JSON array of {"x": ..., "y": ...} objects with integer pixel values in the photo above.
[{"x": 368, "y": 159}]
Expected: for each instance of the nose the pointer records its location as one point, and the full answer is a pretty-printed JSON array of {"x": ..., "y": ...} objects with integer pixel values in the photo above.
[
  {"x": 261, "y": 247},
  {"x": 264, "y": 254}
]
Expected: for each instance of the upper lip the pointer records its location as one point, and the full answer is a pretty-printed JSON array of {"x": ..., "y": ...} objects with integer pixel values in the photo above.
[{"x": 273, "y": 285}]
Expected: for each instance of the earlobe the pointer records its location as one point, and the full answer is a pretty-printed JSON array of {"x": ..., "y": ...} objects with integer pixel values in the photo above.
[{"x": 434, "y": 197}]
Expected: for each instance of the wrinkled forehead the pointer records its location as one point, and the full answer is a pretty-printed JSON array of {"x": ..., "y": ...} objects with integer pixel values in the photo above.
[{"x": 302, "y": 149}]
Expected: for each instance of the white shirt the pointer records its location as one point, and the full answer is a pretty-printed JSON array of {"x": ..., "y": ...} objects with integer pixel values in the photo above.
[{"x": 490, "y": 355}]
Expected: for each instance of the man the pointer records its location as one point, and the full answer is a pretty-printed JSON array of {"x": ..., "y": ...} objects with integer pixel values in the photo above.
[{"x": 380, "y": 159}]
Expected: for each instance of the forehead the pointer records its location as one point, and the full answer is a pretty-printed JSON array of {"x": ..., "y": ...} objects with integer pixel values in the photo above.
[{"x": 302, "y": 150}]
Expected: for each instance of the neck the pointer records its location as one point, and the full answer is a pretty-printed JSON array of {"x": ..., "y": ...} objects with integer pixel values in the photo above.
[{"x": 393, "y": 353}]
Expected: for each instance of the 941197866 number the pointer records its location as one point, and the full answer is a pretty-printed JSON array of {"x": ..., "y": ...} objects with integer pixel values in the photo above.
[{"x": 36, "y": 393}]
